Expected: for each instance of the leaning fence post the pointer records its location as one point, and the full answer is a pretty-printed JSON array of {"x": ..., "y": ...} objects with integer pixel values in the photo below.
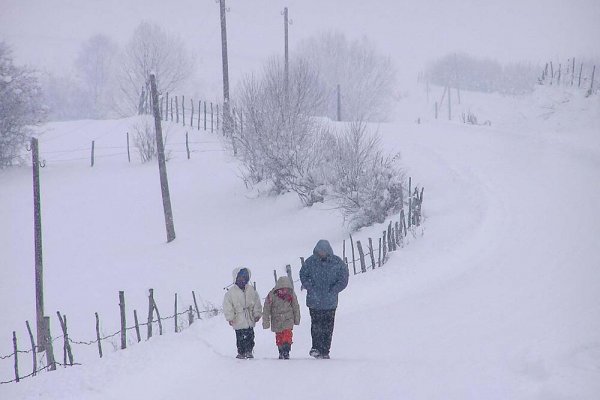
[
  {"x": 353, "y": 258},
  {"x": 372, "y": 253},
  {"x": 196, "y": 304},
  {"x": 123, "y": 320},
  {"x": 66, "y": 343},
  {"x": 16, "y": 351},
  {"x": 128, "y": 153},
  {"x": 51, "y": 363},
  {"x": 361, "y": 255},
  {"x": 137, "y": 326},
  {"x": 150, "y": 312},
  {"x": 98, "y": 335},
  {"x": 160, "y": 330},
  {"x": 34, "y": 371}
]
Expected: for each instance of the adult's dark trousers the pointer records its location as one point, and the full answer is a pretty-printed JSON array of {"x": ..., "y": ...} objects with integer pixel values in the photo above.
[
  {"x": 321, "y": 329},
  {"x": 244, "y": 340}
]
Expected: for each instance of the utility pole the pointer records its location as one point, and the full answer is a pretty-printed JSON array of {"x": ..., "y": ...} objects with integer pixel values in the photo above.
[
  {"x": 226, "y": 115},
  {"x": 287, "y": 55},
  {"x": 162, "y": 166},
  {"x": 37, "y": 226}
]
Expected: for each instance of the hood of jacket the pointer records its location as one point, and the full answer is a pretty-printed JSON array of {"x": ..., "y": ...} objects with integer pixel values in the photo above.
[
  {"x": 283, "y": 282},
  {"x": 323, "y": 246},
  {"x": 236, "y": 271}
]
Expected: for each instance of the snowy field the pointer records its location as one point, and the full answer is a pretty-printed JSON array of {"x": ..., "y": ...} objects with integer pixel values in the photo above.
[{"x": 497, "y": 300}]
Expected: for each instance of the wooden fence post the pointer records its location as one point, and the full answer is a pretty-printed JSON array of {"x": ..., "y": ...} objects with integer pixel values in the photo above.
[
  {"x": 176, "y": 110},
  {"x": 353, "y": 257},
  {"x": 128, "y": 153},
  {"x": 199, "y": 112},
  {"x": 379, "y": 257},
  {"x": 160, "y": 329},
  {"x": 66, "y": 343},
  {"x": 204, "y": 115},
  {"x": 288, "y": 271},
  {"x": 344, "y": 249},
  {"x": 190, "y": 316},
  {"x": 175, "y": 315},
  {"x": 33, "y": 352},
  {"x": 592, "y": 82},
  {"x": 361, "y": 255},
  {"x": 192, "y": 115},
  {"x": 92, "y": 155},
  {"x": 150, "y": 311},
  {"x": 384, "y": 248},
  {"x": 573, "y": 72},
  {"x": 217, "y": 116},
  {"x": 403, "y": 221},
  {"x": 196, "y": 304},
  {"x": 16, "y": 351},
  {"x": 211, "y": 117},
  {"x": 137, "y": 326},
  {"x": 123, "y": 320},
  {"x": 51, "y": 363},
  {"x": 398, "y": 233},
  {"x": 183, "y": 110},
  {"x": 372, "y": 253},
  {"x": 580, "y": 70},
  {"x": 98, "y": 335},
  {"x": 409, "y": 200},
  {"x": 389, "y": 238},
  {"x": 275, "y": 275},
  {"x": 187, "y": 145},
  {"x": 171, "y": 109}
]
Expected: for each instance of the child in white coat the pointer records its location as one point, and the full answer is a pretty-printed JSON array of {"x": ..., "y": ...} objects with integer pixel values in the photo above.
[{"x": 242, "y": 309}]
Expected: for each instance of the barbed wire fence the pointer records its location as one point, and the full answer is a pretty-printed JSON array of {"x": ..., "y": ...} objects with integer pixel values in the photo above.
[{"x": 46, "y": 350}]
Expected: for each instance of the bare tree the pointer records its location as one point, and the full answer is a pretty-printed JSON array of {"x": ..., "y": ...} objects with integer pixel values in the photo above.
[
  {"x": 20, "y": 107},
  {"x": 367, "y": 78},
  {"x": 151, "y": 49},
  {"x": 96, "y": 66}
]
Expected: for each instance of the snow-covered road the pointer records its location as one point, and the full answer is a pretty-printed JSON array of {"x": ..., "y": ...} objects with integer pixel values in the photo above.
[{"x": 498, "y": 300}]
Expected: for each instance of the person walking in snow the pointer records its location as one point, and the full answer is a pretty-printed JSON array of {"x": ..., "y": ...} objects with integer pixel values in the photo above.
[
  {"x": 242, "y": 309},
  {"x": 281, "y": 312},
  {"x": 323, "y": 275}
]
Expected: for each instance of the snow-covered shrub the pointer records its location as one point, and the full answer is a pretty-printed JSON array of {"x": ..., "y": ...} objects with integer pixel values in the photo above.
[
  {"x": 284, "y": 147},
  {"x": 366, "y": 184},
  {"x": 20, "y": 107},
  {"x": 279, "y": 140}
]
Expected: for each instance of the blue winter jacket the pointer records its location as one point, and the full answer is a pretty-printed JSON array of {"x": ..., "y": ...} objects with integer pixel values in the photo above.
[{"x": 323, "y": 279}]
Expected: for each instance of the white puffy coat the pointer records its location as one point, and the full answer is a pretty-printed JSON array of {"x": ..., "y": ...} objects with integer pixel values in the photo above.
[{"x": 243, "y": 307}]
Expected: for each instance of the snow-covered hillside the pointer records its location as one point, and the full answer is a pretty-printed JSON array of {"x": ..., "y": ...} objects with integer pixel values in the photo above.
[{"x": 497, "y": 300}]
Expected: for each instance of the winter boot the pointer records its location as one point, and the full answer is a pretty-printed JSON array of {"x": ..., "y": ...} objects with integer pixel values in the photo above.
[
  {"x": 314, "y": 353},
  {"x": 286, "y": 350},
  {"x": 280, "y": 352},
  {"x": 249, "y": 354},
  {"x": 240, "y": 356}
]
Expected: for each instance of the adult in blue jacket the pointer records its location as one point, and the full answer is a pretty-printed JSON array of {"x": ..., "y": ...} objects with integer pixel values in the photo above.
[{"x": 323, "y": 275}]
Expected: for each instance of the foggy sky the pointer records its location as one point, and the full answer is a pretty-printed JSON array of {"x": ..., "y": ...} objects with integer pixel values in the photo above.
[{"x": 47, "y": 33}]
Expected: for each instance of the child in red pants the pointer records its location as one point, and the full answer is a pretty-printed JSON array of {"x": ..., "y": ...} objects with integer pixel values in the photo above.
[{"x": 281, "y": 312}]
